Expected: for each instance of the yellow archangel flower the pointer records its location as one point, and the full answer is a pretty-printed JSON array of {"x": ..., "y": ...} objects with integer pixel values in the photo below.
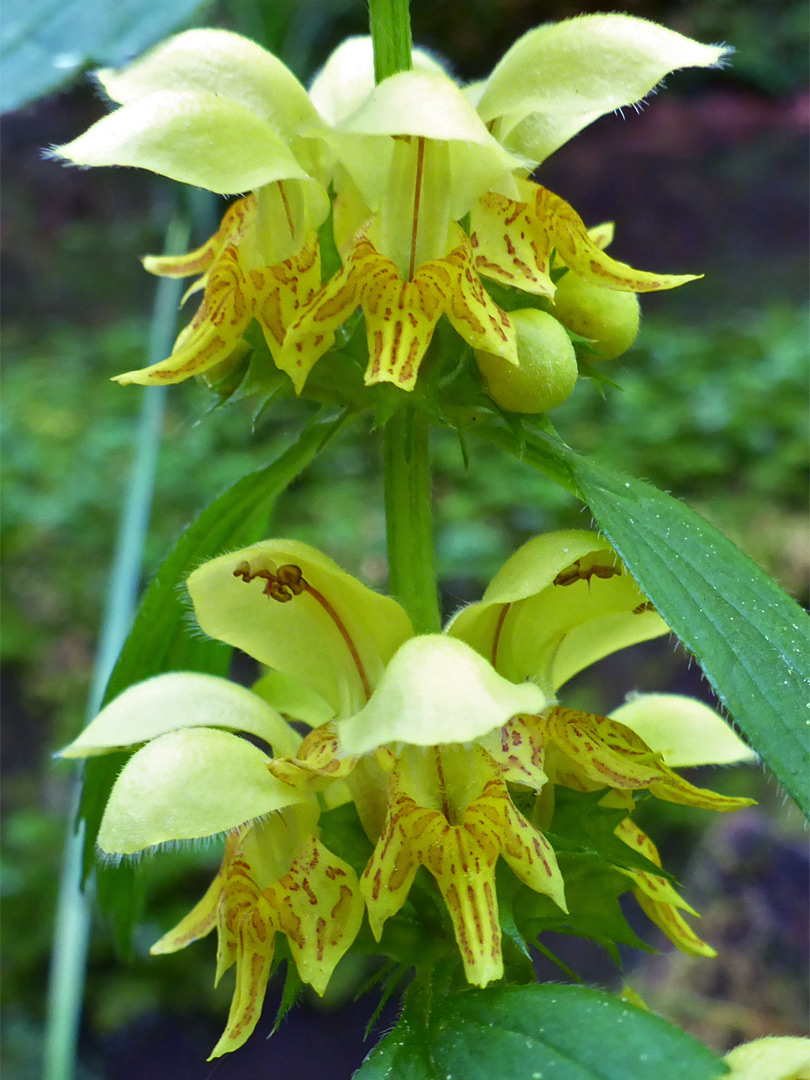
[
  {"x": 409, "y": 159},
  {"x": 416, "y": 155},
  {"x": 215, "y": 110},
  {"x": 194, "y": 779},
  {"x": 428, "y": 735}
]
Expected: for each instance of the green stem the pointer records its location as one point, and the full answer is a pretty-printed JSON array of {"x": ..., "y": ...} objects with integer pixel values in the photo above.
[
  {"x": 408, "y": 515},
  {"x": 409, "y": 518},
  {"x": 72, "y": 922},
  {"x": 390, "y": 23}
]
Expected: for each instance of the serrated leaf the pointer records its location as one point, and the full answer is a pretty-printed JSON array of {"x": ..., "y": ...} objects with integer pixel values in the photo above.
[
  {"x": 592, "y": 892},
  {"x": 544, "y": 1032},
  {"x": 46, "y": 43},
  {"x": 161, "y": 638},
  {"x": 293, "y": 988},
  {"x": 580, "y": 824},
  {"x": 750, "y": 637}
]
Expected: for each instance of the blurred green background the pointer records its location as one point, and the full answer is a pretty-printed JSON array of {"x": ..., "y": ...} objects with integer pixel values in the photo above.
[{"x": 711, "y": 406}]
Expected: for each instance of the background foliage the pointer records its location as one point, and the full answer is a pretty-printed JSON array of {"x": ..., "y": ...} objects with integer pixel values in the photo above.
[{"x": 710, "y": 407}]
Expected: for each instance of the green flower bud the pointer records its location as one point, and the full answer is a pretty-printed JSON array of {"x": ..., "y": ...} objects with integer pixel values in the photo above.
[
  {"x": 608, "y": 317},
  {"x": 548, "y": 365}
]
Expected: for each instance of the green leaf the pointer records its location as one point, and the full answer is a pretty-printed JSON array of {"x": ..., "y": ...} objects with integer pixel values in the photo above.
[
  {"x": 592, "y": 892},
  {"x": 161, "y": 638},
  {"x": 120, "y": 894},
  {"x": 748, "y": 634},
  {"x": 750, "y": 637},
  {"x": 535, "y": 1032},
  {"x": 293, "y": 988},
  {"x": 580, "y": 824},
  {"x": 45, "y": 43}
]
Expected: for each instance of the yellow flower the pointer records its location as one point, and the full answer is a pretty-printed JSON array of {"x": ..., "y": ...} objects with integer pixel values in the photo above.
[
  {"x": 276, "y": 877},
  {"x": 409, "y": 159},
  {"x": 428, "y": 732},
  {"x": 429, "y": 736},
  {"x": 414, "y": 157},
  {"x": 213, "y": 109},
  {"x": 194, "y": 779}
]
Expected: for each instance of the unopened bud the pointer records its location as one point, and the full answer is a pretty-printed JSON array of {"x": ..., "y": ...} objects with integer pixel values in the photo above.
[
  {"x": 548, "y": 365},
  {"x": 608, "y": 317}
]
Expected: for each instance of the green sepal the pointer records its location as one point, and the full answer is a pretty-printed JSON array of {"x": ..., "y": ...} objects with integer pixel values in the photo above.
[
  {"x": 392, "y": 975},
  {"x": 290, "y": 995},
  {"x": 580, "y": 825},
  {"x": 254, "y": 376},
  {"x": 592, "y": 891}
]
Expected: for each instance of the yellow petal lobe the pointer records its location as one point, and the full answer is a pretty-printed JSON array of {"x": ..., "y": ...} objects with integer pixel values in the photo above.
[
  {"x": 518, "y": 750},
  {"x": 270, "y": 294},
  {"x": 569, "y": 235},
  {"x": 319, "y": 907},
  {"x": 313, "y": 332},
  {"x": 450, "y": 811},
  {"x": 473, "y": 313},
  {"x": 202, "y": 918},
  {"x": 658, "y": 899},
  {"x": 657, "y": 888},
  {"x": 202, "y": 258},
  {"x": 247, "y": 934},
  {"x": 400, "y": 315},
  {"x": 219, "y": 323},
  {"x": 508, "y": 245},
  {"x": 609, "y": 754}
]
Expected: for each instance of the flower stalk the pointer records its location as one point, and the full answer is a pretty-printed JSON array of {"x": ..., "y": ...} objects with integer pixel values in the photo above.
[
  {"x": 409, "y": 518},
  {"x": 408, "y": 488},
  {"x": 390, "y": 24}
]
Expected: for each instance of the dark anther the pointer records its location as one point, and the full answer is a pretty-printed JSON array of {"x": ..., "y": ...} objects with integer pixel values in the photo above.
[
  {"x": 278, "y": 592},
  {"x": 577, "y": 572},
  {"x": 291, "y": 577},
  {"x": 646, "y": 606}
]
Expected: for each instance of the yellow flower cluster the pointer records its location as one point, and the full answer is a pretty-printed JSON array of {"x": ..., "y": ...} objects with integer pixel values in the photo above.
[
  {"x": 408, "y": 161},
  {"x": 429, "y": 736}
]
